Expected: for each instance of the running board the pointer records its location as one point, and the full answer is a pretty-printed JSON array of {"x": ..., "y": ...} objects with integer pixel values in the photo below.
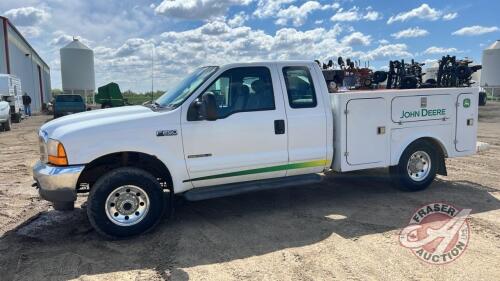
[{"x": 217, "y": 191}]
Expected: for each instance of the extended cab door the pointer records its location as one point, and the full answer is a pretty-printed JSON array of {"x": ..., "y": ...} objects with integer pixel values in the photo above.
[
  {"x": 248, "y": 141},
  {"x": 306, "y": 118}
]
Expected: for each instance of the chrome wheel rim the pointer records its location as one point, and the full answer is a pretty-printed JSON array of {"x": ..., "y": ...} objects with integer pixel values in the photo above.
[
  {"x": 419, "y": 165},
  {"x": 127, "y": 205}
]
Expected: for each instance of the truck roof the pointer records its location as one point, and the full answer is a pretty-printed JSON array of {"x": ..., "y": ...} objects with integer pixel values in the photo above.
[{"x": 268, "y": 62}]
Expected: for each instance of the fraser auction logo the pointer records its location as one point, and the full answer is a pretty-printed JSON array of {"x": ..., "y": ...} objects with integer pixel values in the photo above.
[{"x": 438, "y": 233}]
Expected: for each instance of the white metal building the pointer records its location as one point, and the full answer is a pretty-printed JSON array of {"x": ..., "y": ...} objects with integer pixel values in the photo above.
[{"x": 18, "y": 58}]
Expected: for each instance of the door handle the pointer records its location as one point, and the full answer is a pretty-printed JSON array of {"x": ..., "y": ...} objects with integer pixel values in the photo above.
[
  {"x": 279, "y": 127},
  {"x": 381, "y": 130}
]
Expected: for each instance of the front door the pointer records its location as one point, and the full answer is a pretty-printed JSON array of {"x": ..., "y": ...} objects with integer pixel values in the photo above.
[{"x": 245, "y": 142}]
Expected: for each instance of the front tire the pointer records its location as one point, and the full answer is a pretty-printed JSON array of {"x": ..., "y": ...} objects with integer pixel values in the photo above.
[
  {"x": 125, "y": 202},
  {"x": 417, "y": 167},
  {"x": 7, "y": 126}
]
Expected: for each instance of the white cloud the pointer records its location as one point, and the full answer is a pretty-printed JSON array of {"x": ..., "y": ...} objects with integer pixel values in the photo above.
[
  {"x": 390, "y": 51},
  {"x": 450, "y": 16},
  {"x": 349, "y": 15},
  {"x": 356, "y": 38},
  {"x": 269, "y": 8},
  {"x": 27, "y": 16},
  {"x": 298, "y": 15},
  {"x": 333, "y": 6},
  {"x": 60, "y": 39},
  {"x": 424, "y": 12},
  {"x": 439, "y": 50},
  {"x": 383, "y": 42},
  {"x": 30, "y": 31},
  {"x": 196, "y": 9},
  {"x": 239, "y": 19},
  {"x": 196, "y": 47},
  {"x": 134, "y": 45},
  {"x": 354, "y": 14},
  {"x": 475, "y": 30},
  {"x": 410, "y": 33},
  {"x": 431, "y": 62},
  {"x": 372, "y": 16}
]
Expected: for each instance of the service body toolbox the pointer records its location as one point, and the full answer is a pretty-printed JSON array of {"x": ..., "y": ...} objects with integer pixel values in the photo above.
[{"x": 373, "y": 127}]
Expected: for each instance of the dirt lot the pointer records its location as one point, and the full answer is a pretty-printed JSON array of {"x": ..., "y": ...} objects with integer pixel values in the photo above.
[{"x": 343, "y": 229}]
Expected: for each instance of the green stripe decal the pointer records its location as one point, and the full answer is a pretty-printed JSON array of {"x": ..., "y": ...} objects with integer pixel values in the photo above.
[{"x": 301, "y": 165}]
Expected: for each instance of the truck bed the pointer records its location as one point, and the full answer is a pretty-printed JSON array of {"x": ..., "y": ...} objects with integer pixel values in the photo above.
[{"x": 369, "y": 125}]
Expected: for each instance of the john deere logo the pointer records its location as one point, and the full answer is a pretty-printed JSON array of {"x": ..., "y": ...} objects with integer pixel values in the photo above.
[{"x": 466, "y": 103}]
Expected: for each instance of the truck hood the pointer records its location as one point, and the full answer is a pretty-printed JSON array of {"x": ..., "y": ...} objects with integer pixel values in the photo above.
[{"x": 94, "y": 119}]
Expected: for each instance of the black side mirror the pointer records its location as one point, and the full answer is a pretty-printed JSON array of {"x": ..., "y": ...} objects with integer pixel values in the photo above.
[{"x": 209, "y": 106}]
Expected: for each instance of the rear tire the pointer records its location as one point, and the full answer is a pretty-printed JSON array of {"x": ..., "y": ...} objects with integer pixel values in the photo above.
[
  {"x": 125, "y": 202},
  {"x": 417, "y": 167},
  {"x": 16, "y": 118}
]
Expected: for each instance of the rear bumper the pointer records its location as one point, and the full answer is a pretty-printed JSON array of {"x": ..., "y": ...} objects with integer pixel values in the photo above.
[{"x": 57, "y": 184}]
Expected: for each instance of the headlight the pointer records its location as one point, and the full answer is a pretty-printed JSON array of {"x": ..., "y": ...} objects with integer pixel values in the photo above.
[{"x": 56, "y": 153}]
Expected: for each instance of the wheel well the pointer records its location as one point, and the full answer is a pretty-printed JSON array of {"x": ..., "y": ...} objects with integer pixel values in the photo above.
[
  {"x": 98, "y": 167},
  {"x": 434, "y": 142}
]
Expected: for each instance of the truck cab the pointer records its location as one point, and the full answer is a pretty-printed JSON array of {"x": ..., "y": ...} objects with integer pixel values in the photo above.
[{"x": 242, "y": 127}]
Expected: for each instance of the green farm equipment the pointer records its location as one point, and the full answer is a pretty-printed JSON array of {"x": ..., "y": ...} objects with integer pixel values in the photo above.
[{"x": 110, "y": 96}]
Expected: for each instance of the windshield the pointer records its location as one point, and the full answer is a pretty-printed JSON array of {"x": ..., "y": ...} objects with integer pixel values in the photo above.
[{"x": 176, "y": 96}]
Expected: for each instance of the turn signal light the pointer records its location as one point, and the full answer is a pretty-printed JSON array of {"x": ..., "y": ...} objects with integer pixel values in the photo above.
[{"x": 60, "y": 158}]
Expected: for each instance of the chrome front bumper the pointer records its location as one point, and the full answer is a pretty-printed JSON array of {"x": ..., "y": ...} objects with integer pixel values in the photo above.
[{"x": 57, "y": 184}]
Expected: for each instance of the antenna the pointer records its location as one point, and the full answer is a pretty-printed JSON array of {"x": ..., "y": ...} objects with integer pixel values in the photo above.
[{"x": 152, "y": 72}]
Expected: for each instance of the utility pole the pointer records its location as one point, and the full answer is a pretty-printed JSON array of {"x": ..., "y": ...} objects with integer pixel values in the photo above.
[{"x": 152, "y": 72}]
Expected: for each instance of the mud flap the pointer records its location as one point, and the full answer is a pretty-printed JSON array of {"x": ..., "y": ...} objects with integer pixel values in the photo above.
[{"x": 442, "y": 167}]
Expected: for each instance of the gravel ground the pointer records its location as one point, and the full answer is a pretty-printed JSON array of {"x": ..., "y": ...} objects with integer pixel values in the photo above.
[{"x": 345, "y": 228}]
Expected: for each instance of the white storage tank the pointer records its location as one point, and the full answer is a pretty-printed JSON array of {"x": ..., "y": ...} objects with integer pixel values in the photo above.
[
  {"x": 490, "y": 73},
  {"x": 431, "y": 71},
  {"x": 77, "y": 69}
]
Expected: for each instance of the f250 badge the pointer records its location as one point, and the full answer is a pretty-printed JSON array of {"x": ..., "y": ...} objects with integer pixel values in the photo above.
[{"x": 166, "y": 133}]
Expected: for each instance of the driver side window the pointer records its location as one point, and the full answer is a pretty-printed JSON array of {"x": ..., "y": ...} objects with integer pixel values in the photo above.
[{"x": 243, "y": 89}]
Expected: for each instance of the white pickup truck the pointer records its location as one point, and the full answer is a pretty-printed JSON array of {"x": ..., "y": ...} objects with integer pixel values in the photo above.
[{"x": 243, "y": 127}]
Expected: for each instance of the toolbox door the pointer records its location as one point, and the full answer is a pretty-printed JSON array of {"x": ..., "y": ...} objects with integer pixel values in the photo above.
[
  {"x": 466, "y": 124},
  {"x": 366, "y": 131}
]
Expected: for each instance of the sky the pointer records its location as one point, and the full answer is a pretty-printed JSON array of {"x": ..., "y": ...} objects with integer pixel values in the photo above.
[{"x": 185, "y": 34}]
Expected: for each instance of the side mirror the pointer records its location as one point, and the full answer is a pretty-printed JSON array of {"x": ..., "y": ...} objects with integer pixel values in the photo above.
[{"x": 209, "y": 106}]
